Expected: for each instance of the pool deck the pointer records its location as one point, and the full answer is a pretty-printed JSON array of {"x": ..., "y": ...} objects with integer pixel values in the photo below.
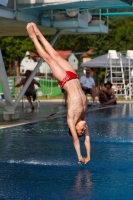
[{"x": 41, "y": 112}]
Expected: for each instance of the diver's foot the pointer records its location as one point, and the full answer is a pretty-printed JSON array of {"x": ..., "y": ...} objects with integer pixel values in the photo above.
[
  {"x": 37, "y": 31},
  {"x": 31, "y": 31}
]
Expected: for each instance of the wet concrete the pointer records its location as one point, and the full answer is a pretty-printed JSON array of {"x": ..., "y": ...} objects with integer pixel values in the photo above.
[
  {"x": 47, "y": 109},
  {"x": 41, "y": 112}
]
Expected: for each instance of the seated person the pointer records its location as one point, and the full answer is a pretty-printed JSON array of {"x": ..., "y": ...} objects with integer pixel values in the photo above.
[
  {"x": 88, "y": 84},
  {"x": 30, "y": 92},
  {"x": 107, "y": 95}
]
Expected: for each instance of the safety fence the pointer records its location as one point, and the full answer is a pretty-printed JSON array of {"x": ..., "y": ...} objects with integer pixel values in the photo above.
[{"x": 49, "y": 87}]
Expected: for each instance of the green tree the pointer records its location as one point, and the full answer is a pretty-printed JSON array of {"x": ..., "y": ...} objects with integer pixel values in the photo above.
[
  {"x": 14, "y": 48},
  {"x": 119, "y": 36}
]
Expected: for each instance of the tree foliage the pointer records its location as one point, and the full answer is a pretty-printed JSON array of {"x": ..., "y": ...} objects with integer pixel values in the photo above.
[{"x": 14, "y": 48}]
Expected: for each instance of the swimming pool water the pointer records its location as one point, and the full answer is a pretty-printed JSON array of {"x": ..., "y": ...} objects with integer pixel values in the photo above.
[{"x": 38, "y": 161}]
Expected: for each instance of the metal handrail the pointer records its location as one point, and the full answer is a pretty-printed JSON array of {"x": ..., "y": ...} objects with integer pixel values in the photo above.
[{"x": 45, "y": 82}]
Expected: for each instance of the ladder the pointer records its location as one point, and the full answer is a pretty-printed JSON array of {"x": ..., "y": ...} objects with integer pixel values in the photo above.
[
  {"x": 129, "y": 69},
  {"x": 117, "y": 78}
]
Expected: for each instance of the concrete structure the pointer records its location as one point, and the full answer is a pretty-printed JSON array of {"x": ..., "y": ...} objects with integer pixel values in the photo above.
[{"x": 70, "y": 16}]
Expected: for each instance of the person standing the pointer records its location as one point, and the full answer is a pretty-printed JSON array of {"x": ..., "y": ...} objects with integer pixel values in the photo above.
[{"x": 30, "y": 92}]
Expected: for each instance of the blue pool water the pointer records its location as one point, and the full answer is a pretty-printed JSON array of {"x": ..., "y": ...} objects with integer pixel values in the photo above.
[{"x": 38, "y": 161}]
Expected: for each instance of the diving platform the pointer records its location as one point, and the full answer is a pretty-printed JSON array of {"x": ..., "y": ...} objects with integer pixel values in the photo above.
[{"x": 69, "y": 16}]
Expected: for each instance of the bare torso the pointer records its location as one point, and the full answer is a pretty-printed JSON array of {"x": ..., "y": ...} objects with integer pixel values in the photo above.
[
  {"x": 76, "y": 100},
  {"x": 31, "y": 86}
]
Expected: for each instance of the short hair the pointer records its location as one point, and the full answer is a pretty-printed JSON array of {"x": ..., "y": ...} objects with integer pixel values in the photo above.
[
  {"x": 89, "y": 70},
  {"x": 108, "y": 83},
  {"x": 71, "y": 134}
]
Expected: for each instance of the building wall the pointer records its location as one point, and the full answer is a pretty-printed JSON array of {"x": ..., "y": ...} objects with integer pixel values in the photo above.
[
  {"x": 86, "y": 59},
  {"x": 73, "y": 61},
  {"x": 27, "y": 63}
]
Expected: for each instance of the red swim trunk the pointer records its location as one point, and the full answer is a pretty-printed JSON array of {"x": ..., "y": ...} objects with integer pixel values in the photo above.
[{"x": 69, "y": 76}]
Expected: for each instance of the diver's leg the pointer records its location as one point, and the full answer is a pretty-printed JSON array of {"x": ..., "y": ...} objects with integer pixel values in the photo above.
[
  {"x": 51, "y": 51},
  {"x": 57, "y": 70}
]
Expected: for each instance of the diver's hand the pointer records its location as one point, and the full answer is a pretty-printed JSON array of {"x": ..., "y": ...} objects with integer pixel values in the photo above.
[
  {"x": 86, "y": 160},
  {"x": 81, "y": 161}
]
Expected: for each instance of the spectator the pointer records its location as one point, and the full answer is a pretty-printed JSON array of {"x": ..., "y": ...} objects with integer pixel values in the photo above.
[
  {"x": 107, "y": 95},
  {"x": 88, "y": 85},
  {"x": 30, "y": 92}
]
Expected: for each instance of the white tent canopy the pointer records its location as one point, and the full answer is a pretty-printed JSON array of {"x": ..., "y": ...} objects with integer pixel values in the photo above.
[{"x": 103, "y": 62}]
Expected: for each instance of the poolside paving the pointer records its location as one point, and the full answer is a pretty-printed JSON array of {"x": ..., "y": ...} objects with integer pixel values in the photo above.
[
  {"x": 41, "y": 112},
  {"x": 27, "y": 115}
]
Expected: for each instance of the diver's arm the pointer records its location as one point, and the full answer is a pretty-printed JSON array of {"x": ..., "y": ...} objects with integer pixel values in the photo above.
[
  {"x": 87, "y": 145},
  {"x": 76, "y": 142}
]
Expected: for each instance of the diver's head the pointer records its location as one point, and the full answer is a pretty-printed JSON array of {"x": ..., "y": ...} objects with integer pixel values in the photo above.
[{"x": 80, "y": 128}]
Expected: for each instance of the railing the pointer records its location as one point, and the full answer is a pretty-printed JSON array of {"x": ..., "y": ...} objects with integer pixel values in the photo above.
[{"x": 44, "y": 90}]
